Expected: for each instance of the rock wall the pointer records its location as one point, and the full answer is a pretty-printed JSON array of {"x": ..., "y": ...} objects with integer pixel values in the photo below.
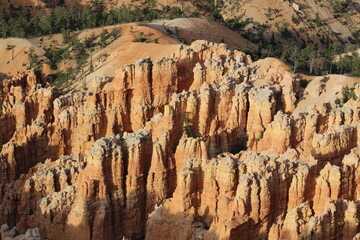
[{"x": 160, "y": 152}]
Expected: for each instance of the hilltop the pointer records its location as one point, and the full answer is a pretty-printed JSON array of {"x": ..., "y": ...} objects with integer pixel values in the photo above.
[
  {"x": 121, "y": 44},
  {"x": 305, "y": 34}
]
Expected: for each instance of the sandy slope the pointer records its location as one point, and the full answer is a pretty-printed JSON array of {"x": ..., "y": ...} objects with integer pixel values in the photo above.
[
  {"x": 198, "y": 28},
  {"x": 320, "y": 92},
  {"x": 124, "y": 50},
  {"x": 317, "y": 91},
  {"x": 259, "y": 11},
  {"x": 10, "y": 66}
]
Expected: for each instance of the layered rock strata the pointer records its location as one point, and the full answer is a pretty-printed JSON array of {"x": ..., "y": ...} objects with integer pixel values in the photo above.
[{"x": 204, "y": 144}]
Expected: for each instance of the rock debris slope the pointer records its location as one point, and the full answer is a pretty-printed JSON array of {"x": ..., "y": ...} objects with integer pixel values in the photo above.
[{"x": 158, "y": 153}]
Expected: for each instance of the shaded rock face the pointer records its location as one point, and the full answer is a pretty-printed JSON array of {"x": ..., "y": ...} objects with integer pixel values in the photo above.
[{"x": 159, "y": 153}]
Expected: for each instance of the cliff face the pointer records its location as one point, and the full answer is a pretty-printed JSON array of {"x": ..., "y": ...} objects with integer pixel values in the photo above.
[{"x": 157, "y": 152}]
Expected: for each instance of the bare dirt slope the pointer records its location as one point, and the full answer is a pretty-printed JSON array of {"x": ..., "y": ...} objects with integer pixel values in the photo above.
[
  {"x": 317, "y": 21},
  {"x": 328, "y": 89},
  {"x": 124, "y": 50},
  {"x": 190, "y": 29},
  {"x": 319, "y": 89},
  {"x": 16, "y": 59}
]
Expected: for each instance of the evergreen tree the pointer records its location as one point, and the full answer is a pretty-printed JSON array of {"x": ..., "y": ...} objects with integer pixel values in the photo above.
[
  {"x": 342, "y": 64},
  {"x": 54, "y": 54},
  {"x": 98, "y": 9},
  {"x": 294, "y": 58},
  {"x": 34, "y": 60},
  {"x": 313, "y": 56},
  {"x": 305, "y": 56},
  {"x": 103, "y": 37},
  {"x": 4, "y": 25},
  {"x": 45, "y": 24},
  {"x": 88, "y": 18},
  {"x": 19, "y": 26},
  {"x": 35, "y": 24},
  {"x": 356, "y": 64},
  {"x": 91, "y": 50},
  {"x": 11, "y": 48},
  {"x": 328, "y": 60}
]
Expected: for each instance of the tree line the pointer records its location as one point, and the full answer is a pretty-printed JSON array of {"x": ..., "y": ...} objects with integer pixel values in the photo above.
[
  {"x": 62, "y": 18},
  {"x": 72, "y": 48},
  {"x": 309, "y": 60},
  {"x": 302, "y": 56}
]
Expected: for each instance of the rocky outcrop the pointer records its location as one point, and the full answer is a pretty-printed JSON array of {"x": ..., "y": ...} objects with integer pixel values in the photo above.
[
  {"x": 203, "y": 144},
  {"x": 12, "y": 234}
]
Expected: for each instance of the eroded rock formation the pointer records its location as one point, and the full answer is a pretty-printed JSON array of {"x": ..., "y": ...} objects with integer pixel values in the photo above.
[{"x": 159, "y": 153}]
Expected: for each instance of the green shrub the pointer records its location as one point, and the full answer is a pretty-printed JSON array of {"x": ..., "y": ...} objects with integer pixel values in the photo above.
[
  {"x": 54, "y": 54},
  {"x": 104, "y": 35},
  {"x": 317, "y": 20},
  {"x": 62, "y": 80},
  {"x": 187, "y": 128},
  {"x": 188, "y": 131},
  {"x": 261, "y": 135},
  {"x": 325, "y": 79},
  {"x": 338, "y": 102},
  {"x": 348, "y": 93},
  {"x": 140, "y": 40}
]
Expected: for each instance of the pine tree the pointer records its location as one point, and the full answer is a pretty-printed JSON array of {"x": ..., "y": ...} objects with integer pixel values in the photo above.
[
  {"x": 4, "y": 27},
  {"x": 91, "y": 50},
  {"x": 54, "y": 54},
  {"x": 11, "y": 47},
  {"x": 34, "y": 60},
  {"x": 103, "y": 37},
  {"x": 294, "y": 58}
]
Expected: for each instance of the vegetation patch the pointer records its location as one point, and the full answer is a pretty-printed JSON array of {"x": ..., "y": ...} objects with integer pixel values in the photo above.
[
  {"x": 187, "y": 127},
  {"x": 347, "y": 94},
  {"x": 301, "y": 55},
  {"x": 64, "y": 19},
  {"x": 261, "y": 135},
  {"x": 325, "y": 79}
]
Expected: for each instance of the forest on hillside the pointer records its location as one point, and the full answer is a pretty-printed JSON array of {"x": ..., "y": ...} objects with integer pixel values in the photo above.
[{"x": 303, "y": 57}]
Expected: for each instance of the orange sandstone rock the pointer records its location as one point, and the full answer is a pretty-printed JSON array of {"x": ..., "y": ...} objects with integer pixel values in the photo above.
[{"x": 159, "y": 152}]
